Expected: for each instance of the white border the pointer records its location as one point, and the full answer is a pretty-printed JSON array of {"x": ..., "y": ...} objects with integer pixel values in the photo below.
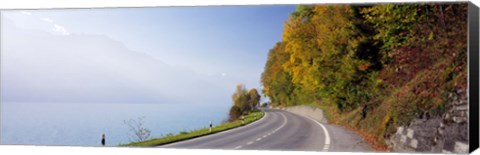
[
  {"x": 36, "y": 4},
  {"x": 65, "y": 4}
]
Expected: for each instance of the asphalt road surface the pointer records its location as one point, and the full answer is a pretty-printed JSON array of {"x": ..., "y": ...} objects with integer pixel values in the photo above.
[{"x": 280, "y": 130}]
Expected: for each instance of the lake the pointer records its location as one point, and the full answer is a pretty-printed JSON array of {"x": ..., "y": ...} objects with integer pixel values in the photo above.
[{"x": 82, "y": 124}]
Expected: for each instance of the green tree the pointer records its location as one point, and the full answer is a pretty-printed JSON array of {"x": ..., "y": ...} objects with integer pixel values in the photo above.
[
  {"x": 417, "y": 25},
  {"x": 393, "y": 24}
]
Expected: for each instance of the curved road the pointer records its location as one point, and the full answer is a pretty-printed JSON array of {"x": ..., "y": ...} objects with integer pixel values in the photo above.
[{"x": 280, "y": 130}]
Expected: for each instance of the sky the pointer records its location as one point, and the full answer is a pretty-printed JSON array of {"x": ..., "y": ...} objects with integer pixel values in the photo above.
[{"x": 136, "y": 55}]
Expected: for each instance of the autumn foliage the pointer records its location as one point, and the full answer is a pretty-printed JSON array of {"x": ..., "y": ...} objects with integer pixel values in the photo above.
[
  {"x": 243, "y": 102},
  {"x": 375, "y": 66}
]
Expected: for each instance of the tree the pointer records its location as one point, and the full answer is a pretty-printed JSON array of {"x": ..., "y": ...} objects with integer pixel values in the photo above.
[
  {"x": 417, "y": 24},
  {"x": 322, "y": 50},
  {"x": 326, "y": 54},
  {"x": 138, "y": 132},
  {"x": 243, "y": 101},
  {"x": 234, "y": 113},
  {"x": 393, "y": 25},
  {"x": 240, "y": 98},
  {"x": 276, "y": 81},
  {"x": 254, "y": 98},
  {"x": 353, "y": 56}
]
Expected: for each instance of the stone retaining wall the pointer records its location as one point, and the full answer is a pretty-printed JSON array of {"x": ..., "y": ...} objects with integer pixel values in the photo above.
[{"x": 446, "y": 134}]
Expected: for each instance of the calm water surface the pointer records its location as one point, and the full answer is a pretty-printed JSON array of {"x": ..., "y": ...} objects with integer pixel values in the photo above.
[{"x": 83, "y": 123}]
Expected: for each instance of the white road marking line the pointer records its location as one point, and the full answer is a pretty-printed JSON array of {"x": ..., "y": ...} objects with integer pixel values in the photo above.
[
  {"x": 281, "y": 126},
  {"x": 327, "y": 135},
  {"x": 250, "y": 142},
  {"x": 326, "y": 146},
  {"x": 238, "y": 147},
  {"x": 258, "y": 139},
  {"x": 264, "y": 136},
  {"x": 216, "y": 134}
]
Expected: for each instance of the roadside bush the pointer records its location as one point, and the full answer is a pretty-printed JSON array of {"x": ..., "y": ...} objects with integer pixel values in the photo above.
[
  {"x": 243, "y": 102},
  {"x": 235, "y": 113},
  {"x": 138, "y": 131}
]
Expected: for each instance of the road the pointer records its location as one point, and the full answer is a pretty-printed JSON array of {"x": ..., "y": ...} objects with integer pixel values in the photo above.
[{"x": 280, "y": 130}]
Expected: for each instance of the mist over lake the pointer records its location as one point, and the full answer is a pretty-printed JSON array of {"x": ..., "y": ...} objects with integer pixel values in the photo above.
[
  {"x": 67, "y": 76},
  {"x": 81, "y": 124}
]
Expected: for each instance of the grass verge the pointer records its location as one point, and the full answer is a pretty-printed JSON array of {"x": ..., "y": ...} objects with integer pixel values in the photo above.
[{"x": 249, "y": 118}]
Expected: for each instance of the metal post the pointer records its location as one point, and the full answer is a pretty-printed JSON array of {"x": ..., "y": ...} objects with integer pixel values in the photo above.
[{"x": 210, "y": 126}]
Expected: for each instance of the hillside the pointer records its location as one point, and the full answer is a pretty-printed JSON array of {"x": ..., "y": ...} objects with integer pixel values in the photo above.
[{"x": 374, "y": 68}]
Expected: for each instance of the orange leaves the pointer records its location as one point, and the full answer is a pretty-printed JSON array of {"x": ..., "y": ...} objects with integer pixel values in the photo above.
[{"x": 364, "y": 67}]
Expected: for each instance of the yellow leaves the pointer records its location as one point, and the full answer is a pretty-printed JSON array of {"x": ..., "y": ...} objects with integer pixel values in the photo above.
[
  {"x": 430, "y": 36},
  {"x": 320, "y": 47},
  {"x": 320, "y": 55},
  {"x": 291, "y": 26},
  {"x": 378, "y": 81}
]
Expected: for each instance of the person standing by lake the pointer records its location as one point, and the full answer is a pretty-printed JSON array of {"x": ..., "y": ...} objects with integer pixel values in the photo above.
[{"x": 103, "y": 139}]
